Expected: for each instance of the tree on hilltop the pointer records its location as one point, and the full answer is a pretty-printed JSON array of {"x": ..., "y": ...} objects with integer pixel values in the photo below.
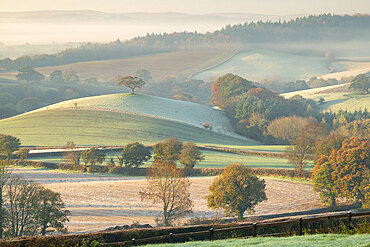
[{"x": 131, "y": 82}]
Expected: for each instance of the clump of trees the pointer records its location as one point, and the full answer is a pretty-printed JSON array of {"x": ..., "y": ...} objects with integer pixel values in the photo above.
[
  {"x": 134, "y": 155},
  {"x": 236, "y": 190},
  {"x": 361, "y": 83},
  {"x": 92, "y": 156},
  {"x": 28, "y": 74},
  {"x": 26, "y": 208},
  {"x": 174, "y": 150},
  {"x": 345, "y": 172},
  {"x": 252, "y": 109},
  {"x": 8, "y": 145},
  {"x": 168, "y": 187}
]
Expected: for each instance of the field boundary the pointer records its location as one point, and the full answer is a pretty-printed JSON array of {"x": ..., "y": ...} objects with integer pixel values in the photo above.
[{"x": 254, "y": 227}]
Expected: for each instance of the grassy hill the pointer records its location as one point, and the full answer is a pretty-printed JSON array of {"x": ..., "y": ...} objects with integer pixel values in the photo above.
[
  {"x": 336, "y": 97},
  {"x": 257, "y": 65},
  {"x": 121, "y": 118},
  {"x": 179, "y": 63}
]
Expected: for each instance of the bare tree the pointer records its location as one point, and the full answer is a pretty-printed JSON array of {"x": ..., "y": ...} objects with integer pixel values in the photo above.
[
  {"x": 168, "y": 187},
  {"x": 4, "y": 178},
  {"x": 22, "y": 202}
]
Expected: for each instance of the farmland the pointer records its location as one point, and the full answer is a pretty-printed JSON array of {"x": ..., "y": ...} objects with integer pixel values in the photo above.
[
  {"x": 335, "y": 99},
  {"x": 97, "y": 202},
  {"x": 122, "y": 118},
  {"x": 257, "y": 65},
  {"x": 179, "y": 63}
]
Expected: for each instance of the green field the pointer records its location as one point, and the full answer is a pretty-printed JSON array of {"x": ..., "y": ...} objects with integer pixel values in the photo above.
[
  {"x": 327, "y": 240},
  {"x": 334, "y": 101},
  {"x": 178, "y": 63},
  {"x": 152, "y": 106},
  {"x": 212, "y": 159},
  {"x": 91, "y": 127}
]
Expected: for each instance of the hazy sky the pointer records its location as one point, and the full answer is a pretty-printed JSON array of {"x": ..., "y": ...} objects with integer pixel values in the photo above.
[{"x": 278, "y": 7}]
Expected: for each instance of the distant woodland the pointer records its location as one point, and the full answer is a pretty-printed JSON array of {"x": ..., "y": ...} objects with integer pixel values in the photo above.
[{"x": 324, "y": 28}]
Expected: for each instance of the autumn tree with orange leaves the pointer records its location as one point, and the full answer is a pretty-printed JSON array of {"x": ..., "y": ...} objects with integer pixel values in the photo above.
[{"x": 345, "y": 173}]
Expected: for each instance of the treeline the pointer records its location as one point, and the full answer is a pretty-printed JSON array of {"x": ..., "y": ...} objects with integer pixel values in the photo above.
[
  {"x": 261, "y": 114},
  {"x": 322, "y": 28},
  {"x": 252, "y": 109}
]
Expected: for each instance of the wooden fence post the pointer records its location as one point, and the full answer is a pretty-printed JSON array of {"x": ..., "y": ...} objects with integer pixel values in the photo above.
[
  {"x": 254, "y": 229},
  {"x": 211, "y": 234},
  {"x": 349, "y": 219},
  {"x": 300, "y": 221}
]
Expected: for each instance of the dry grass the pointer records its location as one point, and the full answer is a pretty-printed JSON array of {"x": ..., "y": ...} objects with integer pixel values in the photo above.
[
  {"x": 97, "y": 202},
  {"x": 179, "y": 63}
]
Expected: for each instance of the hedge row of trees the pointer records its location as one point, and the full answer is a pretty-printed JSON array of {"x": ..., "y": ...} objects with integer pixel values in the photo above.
[{"x": 320, "y": 28}]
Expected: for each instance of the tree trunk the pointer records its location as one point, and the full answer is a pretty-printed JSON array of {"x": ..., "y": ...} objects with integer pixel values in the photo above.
[
  {"x": 1, "y": 212},
  {"x": 132, "y": 90},
  {"x": 332, "y": 202},
  {"x": 240, "y": 216}
]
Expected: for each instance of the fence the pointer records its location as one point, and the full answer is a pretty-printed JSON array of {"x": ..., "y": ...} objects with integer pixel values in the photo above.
[{"x": 250, "y": 228}]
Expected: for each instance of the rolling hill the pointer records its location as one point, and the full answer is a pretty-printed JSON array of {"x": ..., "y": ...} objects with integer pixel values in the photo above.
[
  {"x": 336, "y": 98},
  {"x": 178, "y": 63},
  {"x": 121, "y": 118},
  {"x": 257, "y": 65}
]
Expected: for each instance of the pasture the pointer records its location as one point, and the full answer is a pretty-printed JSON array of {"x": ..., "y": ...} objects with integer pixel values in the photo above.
[
  {"x": 178, "y": 63},
  {"x": 97, "y": 202},
  {"x": 256, "y": 65},
  {"x": 92, "y": 127},
  {"x": 335, "y": 98}
]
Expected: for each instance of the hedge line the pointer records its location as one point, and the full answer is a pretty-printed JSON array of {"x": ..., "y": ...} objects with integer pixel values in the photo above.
[
  {"x": 143, "y": 171},
  {"x": 322, "y": 225}
]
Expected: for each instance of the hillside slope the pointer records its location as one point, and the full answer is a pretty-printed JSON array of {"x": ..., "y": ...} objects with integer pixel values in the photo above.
[
  {"x": 336, "y": 98},
  {"x": 121, "y": 118}
]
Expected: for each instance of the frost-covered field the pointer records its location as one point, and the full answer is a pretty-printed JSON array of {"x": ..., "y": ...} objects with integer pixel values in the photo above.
[
  {"x": 264, "y": 64},
  {"x": 334, "y": 101},
  {"x": 97, "y": 202},
  {"x": 152, "y": 106}
]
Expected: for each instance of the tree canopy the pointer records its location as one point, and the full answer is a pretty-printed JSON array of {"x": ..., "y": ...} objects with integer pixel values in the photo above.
[
  {"x": 135, "y": 154},
  {"x": 28, "y": 74},
  {"x": 131, "y": 82},
  {"x": 8, "y": 145},
  {"x": 236, "y": 190}
]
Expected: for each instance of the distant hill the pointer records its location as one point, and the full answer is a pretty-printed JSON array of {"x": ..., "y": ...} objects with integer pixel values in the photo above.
[
  {"x": 121, "y": 118},
  {"x": 310, "y": 35}
]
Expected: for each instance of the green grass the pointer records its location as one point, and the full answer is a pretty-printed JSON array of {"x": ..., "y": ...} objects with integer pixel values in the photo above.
[
  {"x": 334, "y": 101},
  {"x": 152, "y": 106},
  {"x": 327, "y": 240},
  {"x": 212, "y": 160},
  {"x": 91, "y": 127}
]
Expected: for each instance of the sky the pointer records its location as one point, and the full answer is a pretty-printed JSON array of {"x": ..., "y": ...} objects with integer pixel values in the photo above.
[{"x": 271, "y": 7}]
